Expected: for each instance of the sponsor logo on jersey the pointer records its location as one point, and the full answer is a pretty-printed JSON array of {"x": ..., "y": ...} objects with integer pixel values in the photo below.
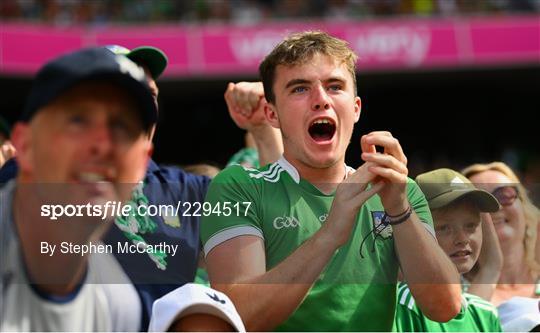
[
  {"x": 281, "y": 222},
  {"x": 379, "y": 228}
]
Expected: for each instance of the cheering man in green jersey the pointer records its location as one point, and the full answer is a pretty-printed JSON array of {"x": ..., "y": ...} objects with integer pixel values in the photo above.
[{"x": 309, "y": 245}]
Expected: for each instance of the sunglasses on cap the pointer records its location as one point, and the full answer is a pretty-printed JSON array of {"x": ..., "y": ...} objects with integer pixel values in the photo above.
[{"x": 506, "y": 195}]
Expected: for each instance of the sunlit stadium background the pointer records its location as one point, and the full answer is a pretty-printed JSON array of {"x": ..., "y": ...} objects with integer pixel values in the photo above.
[{"x": 457, "y": 81}]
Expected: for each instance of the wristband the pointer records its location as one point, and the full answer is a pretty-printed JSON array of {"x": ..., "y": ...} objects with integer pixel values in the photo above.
[{"x": 397, "y": 219}]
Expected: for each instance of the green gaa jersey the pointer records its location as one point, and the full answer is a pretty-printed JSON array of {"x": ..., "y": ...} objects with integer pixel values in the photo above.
[
  {"x": 357, "y": 289},
  {"x": 476, "y": 315}
]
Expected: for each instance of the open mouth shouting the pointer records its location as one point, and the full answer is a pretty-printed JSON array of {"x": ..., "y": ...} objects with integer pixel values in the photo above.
[
  {"x": 322, "y": 130},
  {"x": 101, "y": 175},
  {"x": 91, "y": 177},
  {"x": 95, "y": 182}
]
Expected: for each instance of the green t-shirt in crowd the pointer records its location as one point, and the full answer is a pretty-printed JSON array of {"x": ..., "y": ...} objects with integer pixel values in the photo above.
[
  {"x": 201, "y": 277},
  {"x": 357, "y": 289},
  {"x": 248, "y": 157},
  {"x": 476, "y": 315}
]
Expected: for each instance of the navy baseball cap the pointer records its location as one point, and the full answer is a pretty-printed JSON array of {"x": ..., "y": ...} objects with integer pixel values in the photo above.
[
  {"x": 98, "y": 63},
  {"x": 150, "y": 56}
]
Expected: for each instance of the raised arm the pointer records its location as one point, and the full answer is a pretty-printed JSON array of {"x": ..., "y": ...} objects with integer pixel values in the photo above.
[
  {"x": 245, "y": 103},
  {"x": 484, "y": 276},
  {"x": 432, "y": 278}
]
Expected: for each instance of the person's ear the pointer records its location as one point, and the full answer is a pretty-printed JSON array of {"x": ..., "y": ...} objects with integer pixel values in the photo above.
[
  {"x": 271, "y": 115},
  {"x": 149, "y": 151},
  {"x": 21, "y": 137},
  {"x": 357, "y": 108}
]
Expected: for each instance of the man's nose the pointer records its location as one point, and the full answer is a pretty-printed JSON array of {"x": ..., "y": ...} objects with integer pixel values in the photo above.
[
  {"x": 101, "y": 140},
  {"x": 320, "y": 99}
]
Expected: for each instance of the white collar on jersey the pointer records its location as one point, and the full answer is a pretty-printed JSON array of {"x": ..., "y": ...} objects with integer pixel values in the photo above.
[{"x": 291, "y": 170}]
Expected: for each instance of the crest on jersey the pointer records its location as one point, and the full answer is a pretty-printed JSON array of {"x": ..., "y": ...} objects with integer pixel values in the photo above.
[{"x": 384, "y": 231}]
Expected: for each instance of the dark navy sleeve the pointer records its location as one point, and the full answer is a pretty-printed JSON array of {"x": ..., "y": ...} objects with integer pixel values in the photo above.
[
  {"x": 8, "y": 171},
  {"x": 163, "y": 185},
  {"x": 166, "y": 186}
]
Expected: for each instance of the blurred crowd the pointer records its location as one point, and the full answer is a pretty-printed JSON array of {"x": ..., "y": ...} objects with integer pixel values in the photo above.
[{"x": 99, "y": 12}]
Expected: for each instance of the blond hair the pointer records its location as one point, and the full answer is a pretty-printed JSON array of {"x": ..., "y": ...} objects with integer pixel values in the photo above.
[
  {"x": 531, "y": 212},
  {"x": 298, "y": 49}
]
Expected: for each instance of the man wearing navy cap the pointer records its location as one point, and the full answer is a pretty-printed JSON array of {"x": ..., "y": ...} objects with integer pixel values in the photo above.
[
  {"x": 83, "y": 138},
  {"x": 155, "y": 274},
  {"x": 83, "y": 141}
]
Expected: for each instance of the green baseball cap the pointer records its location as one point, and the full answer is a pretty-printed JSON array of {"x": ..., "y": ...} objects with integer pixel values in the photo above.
[
  {"x": 444, "y": 186},
  {"x": 152, "y": 57}
]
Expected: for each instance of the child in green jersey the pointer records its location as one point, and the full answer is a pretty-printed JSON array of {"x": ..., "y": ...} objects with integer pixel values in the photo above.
[{"x": 457, "y": 208}]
